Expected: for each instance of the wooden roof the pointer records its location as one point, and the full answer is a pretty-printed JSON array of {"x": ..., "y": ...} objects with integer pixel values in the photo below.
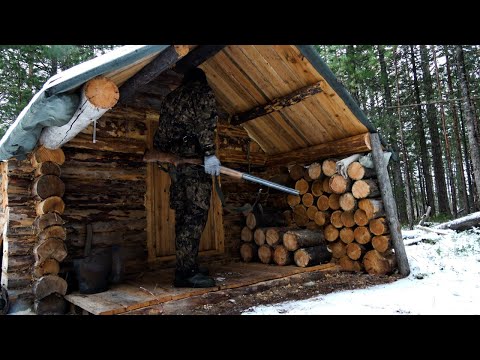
[{"x": 246, "y": 76}]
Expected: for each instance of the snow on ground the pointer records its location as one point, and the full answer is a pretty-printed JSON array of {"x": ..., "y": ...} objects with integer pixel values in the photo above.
[{"x": 444, "y": 279}]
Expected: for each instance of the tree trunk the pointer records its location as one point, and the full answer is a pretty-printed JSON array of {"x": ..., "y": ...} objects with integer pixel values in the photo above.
[
  {"x": 404, "y": 150},
  {"x": 470, "y": 119},
  {"x": 295, "y": 239},
  {"x": 424, "y": 157},
  {"x": 451, "y": 178},
  {"x": 438, "y": 168},
  {"x": 311, "y": 256},
  {"x": 463, "y": 223},
  {"x": 458, "y": 154},
  {"x": 393, "y": 131}
]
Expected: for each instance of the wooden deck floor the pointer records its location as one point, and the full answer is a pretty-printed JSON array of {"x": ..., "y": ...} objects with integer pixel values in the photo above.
[{"x": 156, "y": 287}]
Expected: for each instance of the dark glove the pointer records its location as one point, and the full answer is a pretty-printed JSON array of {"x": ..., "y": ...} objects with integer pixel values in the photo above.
[{"x": 212, "y": 165}]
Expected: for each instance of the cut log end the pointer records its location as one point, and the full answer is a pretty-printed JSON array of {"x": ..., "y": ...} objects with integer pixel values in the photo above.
[
  {"x": 311, "y": 256},
  {"x": 102, "y": 92},
  {"x": 377, "y": 264},
  {"x": 265, "y": 254},
  {"x": 314, "y": 171},
  {"x": 49, "y": 284},
  {"x": 281, "y": 256},
  {"x": 248, "y": 252},
  {"x": 246, "y": 234}
]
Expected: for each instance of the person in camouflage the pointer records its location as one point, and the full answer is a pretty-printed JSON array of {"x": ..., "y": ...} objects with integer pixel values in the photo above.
[{"x": 187, "y": 124}]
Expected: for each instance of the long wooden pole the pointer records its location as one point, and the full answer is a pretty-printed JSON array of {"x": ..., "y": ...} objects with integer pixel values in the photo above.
[{"x": 389, "y": 205}]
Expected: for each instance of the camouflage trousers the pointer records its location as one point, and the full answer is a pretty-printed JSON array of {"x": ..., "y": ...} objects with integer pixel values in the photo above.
[{"x": 190, "y": 198}]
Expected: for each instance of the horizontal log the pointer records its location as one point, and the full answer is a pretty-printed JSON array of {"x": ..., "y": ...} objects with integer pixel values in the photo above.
[
  {"x": 362, "y": 235},
  {"x": 56, "y": 231},
  {"x": 311, "y": 212},
  {"x": 378, "y": 226},
  {"x": 295, "y": 239},
  {"x": 317, "y": 187},
  {"x": 49, "y": 284},
  {"x": 79, "y": 170},
  {"x": 120, "y": 145},
  {"x": 246, "y": 234},
  {"x": 277, "y": 104},
  {"x": 248, "y": 252},
  {"x": 348, "y": 219},
  {"x": 50, "y": 248},
  {"x": 19, "y": 245},
  {"x": 334, "y": 201},
  {"x": 347, "y": 202},
  {"x": 379, "y": 264},
  {"x": 46, "y": 186},
  {"x": 360, "y": 217},
  {"x": 19, "y": 264},
  {"x": 321, "y": 218},
  {"x": 322, "y": 203},
  {"x": 381, "y": 243},
  {"x": 296, "y": 171},
  {"x": 52, "y": 304},
  {"x": 329, "y": 167},
  {"x": 373, "y": 207},
  {"x": 338, "y": 249},
  {"x": 339, "y": 184},
  {"x": 335, "y": 219},
  {"x": 46, "y": 220},
  {"x": 265, "y": 254},
  {"x": 314, "y": 171},
  {"x": 48, "y": 168},
  {"x": 347, "y": 146},
  {"x": 346, "y": 235},
  {"x": 50, "y": 204},
  {"x": 355, "y": 251},
  {"x": 357, "y": 171},
  {"x": 259, "y": 236},
  {"x": 226, "y": 155},
  {"x": 48, "y": 267},
  {"x": 42, "y": 154},
  {"x": 331, "y": 232},
  {"x": 307, "y": 199},
  {"x": 348, "y": 264},
  {"x": 17, "y": 281},
  {"x": 136, "y": 237},
  {"x": 311, "y": 256},
  {"x": 300, "y": 216},
  {"x": 365, "y": 188}
]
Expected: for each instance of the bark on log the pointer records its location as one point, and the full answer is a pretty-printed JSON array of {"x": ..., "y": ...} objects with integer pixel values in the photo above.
[
  {"x": 51, "y": 248},
  {"x": 381, "y": 243},
  {"x": 48, "y": 267},
  {"x": 48, "y": 168},
  {"x": 355, "y": 251},
  {"x": 46, "y": 186},
  {"x": 302, "y": 186},
  {"x": 41, "y": 154},
  {"x": 338, "y": 249},
  {"x": 311, "y": 225},
  {"x": 246, "y": 234},
  {"x": 50, "y": 204},
  {"x": 357, "y": 171},
  {"x": 44, "y": 221},
  {"x": 293, "y": 200},
  {"x": 259, "y": 236},
  {"x": 295, "y": 239},
  {"x": 372, "y": 207},
  {"x": 307, "y": 199},
  {"x": 296, "y": 172},
  {"x": 329, "y": 167},
  {"x": 463, "y": 223},
  {"x": 321, "y": 218},
  {"x": 322, "y": 203},
  {"x": 362, "y": 235},
  {"x": 281, "y": 256},
  {"x": 315, "y": 171},
  {"x": 360, "y": 217},
  {"x": 378, "y": 226},
  {"x": 300, "y": 215},
  {"x": 347, "y": 235},
  {"x": 348, "y": 219},
  {"x": 317, "y": 188},
  {"x": 347, "y": 202},
  {"x": 335, "y": 219},
  {"x": 311, "y": 256},
  {"x": 98, "y": 96},
  {"x": 265, "y": 254},
  {"x": 52, "y": 304},
  {"x": 334, "y": 201},
  {"x": 331, "y": 233},
  {"x": 376, "y": 263},
  {"x": 348, "y": 264},
  {"x": 49, "y": 284},
  {"x": 339, "y": 184},
  {"x": 365, "y": 188},
  {"x": 248, "y": 252},
  {"x": 311, "y": 211},
  {"x": 56, "y": 231}
]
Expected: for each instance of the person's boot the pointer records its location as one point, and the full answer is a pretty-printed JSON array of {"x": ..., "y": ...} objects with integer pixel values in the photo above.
[
  {"x": 193, "y": 280},
  {"x": 202, "y": 270}
]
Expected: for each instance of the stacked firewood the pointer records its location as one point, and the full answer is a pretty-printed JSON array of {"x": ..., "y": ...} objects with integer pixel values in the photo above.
[
  {"x": 348, "y": 210},
  {"x": 281, "y": 245},
  {"x": 50, "y": 250}
]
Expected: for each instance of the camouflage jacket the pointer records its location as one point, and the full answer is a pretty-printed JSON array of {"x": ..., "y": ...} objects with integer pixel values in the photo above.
[{"x": 188, "y": 120}]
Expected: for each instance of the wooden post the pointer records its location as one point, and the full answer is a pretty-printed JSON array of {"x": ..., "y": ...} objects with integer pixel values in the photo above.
[{"x": 389, "y": 205}]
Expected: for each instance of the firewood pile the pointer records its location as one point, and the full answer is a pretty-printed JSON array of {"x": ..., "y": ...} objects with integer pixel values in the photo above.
[{"x": 337, "y": 217}]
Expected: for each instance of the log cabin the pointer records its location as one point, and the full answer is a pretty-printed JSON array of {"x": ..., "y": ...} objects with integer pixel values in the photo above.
[{"x": 74, "y": 180}]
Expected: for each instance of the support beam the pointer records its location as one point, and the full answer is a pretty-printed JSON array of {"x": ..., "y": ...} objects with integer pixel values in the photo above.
[
  {"x": 162, "y": 62},
  {"x": 347, "y": 146},
  {"x": 197, "y": 57},
  {"x": 277, "y": 104},
  {"x": 389, "y": 205}
]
